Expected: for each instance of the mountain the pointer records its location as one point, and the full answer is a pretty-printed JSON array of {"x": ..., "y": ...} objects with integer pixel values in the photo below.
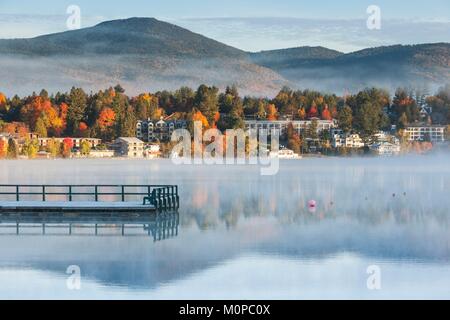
[
  {"x": 145, "y": 54},
  {"x": 389, "y": 66},
  {"x": 141, "y": 53},
  {"x": 286, "y": 58}
]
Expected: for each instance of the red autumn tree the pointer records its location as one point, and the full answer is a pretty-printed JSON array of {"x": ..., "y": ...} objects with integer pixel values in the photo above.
[
  {"x": 326, "y": 114},
  {"x": 106, "y": 118},
  {"x": 313, "y": 112},
  {"x": 67, "y": 146}
]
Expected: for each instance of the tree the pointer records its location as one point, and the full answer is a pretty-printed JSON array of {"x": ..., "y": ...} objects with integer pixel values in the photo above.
[
  {"x": 12, "y": 151},
  {"x": 312, "y": 129},
  {"x": 83, "y": 130},
  {"x": 53, "y": 147},
  {"x": 3, "y": 104},
  {"x": 345, "y": 119},
  {"x": 106, "y": 118},
  {"x": 75, "y": 114},
  {"x": 67, "y": 146},
  {"x": 368, "y": 110},
  {"x": 261, "y": 114},
  {"x": 3, "y": 148},
  {"x": 326, "y": 114},
  {"x": 85, "y": 148},
  {"x": 403, "y": 120},
  {"x": 294, "y": 140},
  {"x": 184, "y": 99},
  {"x": 198, "y": 116},
  {"x": 127, "y": 123},
  {"x": 403, "y": 103},
  {"x": 207, "y": 101},
  {"x": 30, "y": 148},
  {"x": 302, "y": 113},
  {"x": 40, "y": 128},
  {"x": 272, "y": 112},
  {"x": 313, "y": 113}
]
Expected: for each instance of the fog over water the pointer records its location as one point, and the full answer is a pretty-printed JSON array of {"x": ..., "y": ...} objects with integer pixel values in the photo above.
[{"x": 243, "y": 235}]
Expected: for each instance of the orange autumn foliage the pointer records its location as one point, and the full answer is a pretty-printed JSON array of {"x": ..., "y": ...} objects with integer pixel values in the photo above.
[
  {"x": 302, "y": 113},
  {"x": 326, "y": 114},
  {"x": 313, "y": 113},
  {"x": 16, "y": 128},
  {"x": 198, "y": 116},
  {"x": 106, "y": 118},
  {"x": 271, "y": 112},
  {"x": 37, "y": 107},
  {"x": 2, "y": 100},
  {"x": 82, "y": 127},
  {"x": 3, "y": 148}
]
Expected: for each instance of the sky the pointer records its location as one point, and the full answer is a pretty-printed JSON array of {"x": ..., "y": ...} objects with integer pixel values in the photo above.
[{"x": 251, "y": 25}]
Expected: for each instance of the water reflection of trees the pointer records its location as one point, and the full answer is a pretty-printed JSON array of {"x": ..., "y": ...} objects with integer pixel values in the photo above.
[{"x": 356, "y": 195}]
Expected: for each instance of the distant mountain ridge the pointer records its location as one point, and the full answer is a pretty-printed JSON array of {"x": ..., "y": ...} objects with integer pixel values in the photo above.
[
  {"x": 145, "y": 54},
  {"x": 127, "y": 36},
  {"x": 387, "y": 66}
]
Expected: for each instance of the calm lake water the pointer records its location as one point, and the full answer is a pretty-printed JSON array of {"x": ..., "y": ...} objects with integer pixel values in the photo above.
[{"x": 246, "y": 236}]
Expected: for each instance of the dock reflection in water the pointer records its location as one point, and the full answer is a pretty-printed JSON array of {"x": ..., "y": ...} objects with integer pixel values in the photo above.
[{"x": 159, "y": 226}]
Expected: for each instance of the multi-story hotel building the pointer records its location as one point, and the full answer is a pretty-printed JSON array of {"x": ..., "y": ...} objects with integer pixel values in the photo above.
[
  {"x": 148, "y": 130},
  {"x": 432, "y": 133},
  {"x": 300, "y": 126}
]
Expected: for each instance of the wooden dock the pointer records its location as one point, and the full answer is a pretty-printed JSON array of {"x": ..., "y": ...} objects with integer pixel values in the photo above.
[
  {"x": 87, "y": 199},
  {"x": 159, "y": 226}
]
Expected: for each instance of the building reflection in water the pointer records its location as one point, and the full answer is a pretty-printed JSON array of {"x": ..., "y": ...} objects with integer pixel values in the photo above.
[{"x": 158, "y": 226}]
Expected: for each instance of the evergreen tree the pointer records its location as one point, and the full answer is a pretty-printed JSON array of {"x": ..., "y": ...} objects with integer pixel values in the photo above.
[
  {"x": 77, "y": 107},
  {"x": 345, "y": 119},
  {"x": 127, "y": 123},
  {"x": 207, "y": 102}
]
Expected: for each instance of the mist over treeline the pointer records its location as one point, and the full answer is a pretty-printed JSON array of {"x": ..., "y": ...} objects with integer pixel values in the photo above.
[{"x": 111, "y": 113}]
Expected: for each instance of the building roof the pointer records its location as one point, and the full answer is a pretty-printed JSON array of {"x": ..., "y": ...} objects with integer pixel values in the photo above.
[
  {"x": 130, "y": 140},
  {"x": 425, "y": 126}
]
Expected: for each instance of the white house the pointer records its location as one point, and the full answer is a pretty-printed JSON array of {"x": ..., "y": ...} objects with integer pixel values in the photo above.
[
  {"x": 152, "y": 151},
  {"x": 385, "y": 148},
  {"x": 340, "y": 139}
]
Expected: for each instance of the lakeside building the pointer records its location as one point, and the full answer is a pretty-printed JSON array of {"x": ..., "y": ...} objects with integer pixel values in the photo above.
[
  {"x": 129, "y": 147},
  {"x": 432, "y": 133},
  {"x": 300, "y": 126},
  {"x": 152, "y": 151},
  {"x": 285, "y": 153},
  {"x": 382, "y": 136},
  {"x": 385, "y": 148},
  {"x": 340, "y": 139},
  {"x": 148, "y": 130},
  {"x": 97, "y": 154},
  {"x": 94, "y": 142}
]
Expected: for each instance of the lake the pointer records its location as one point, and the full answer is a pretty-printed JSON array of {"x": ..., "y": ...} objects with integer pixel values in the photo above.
[{"x": 240, "y": 235}]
